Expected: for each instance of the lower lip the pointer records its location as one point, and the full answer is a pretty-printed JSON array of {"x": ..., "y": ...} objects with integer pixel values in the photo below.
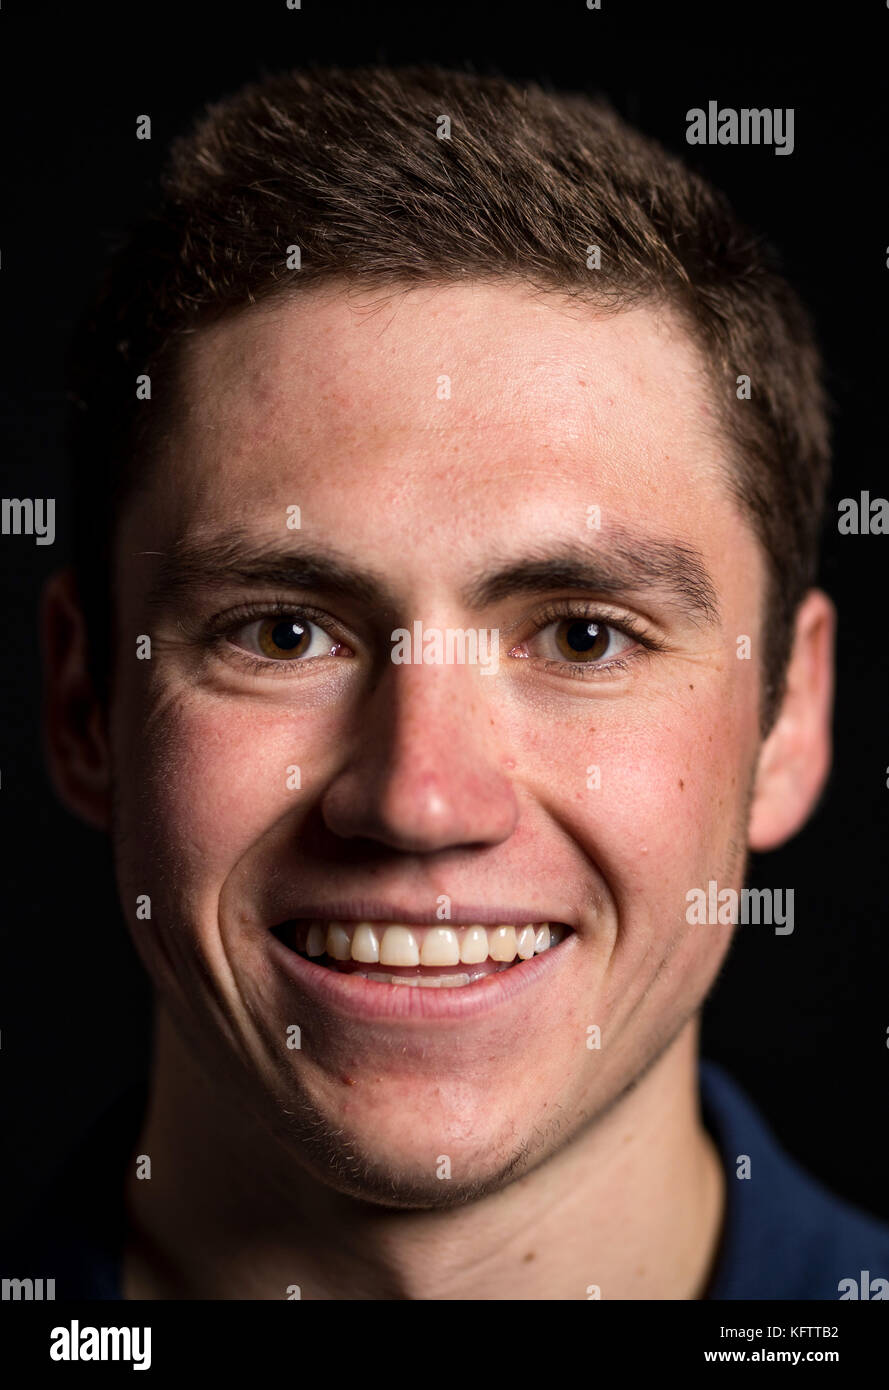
[{"x": 371, "y": 1000}]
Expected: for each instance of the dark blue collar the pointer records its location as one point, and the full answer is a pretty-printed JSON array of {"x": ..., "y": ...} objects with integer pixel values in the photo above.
[{"x": 784, "y": 1234}]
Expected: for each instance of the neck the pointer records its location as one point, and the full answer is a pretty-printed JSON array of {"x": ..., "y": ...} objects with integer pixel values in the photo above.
[{"x": 632, "y": 1207}]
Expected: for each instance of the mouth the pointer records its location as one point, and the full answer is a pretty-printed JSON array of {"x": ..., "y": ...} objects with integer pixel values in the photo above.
[{"x": 436, "y": 957}]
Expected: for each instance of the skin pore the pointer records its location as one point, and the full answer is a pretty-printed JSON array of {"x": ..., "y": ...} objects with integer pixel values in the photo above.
[{"x": 441, "y": 443}]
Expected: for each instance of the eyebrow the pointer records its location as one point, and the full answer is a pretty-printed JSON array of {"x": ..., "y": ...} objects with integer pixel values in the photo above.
[
  {"x": 623, "y": 564},
  {"x": 237, "y": 560}
]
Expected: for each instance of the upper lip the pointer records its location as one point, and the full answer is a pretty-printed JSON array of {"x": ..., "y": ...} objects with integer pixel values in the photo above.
[{"x": 459, "y": 914}]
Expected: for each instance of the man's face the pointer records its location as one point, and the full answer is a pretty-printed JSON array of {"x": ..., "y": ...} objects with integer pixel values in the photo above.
[{"x": 464, "y": 452}]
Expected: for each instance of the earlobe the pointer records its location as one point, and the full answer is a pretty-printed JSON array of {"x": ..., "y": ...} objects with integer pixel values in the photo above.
[
  {"x": 74, "y": 719},
  {"x": 795, "y": 758}
]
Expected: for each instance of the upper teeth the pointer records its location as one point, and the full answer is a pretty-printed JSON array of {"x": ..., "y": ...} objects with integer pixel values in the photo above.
[{"x": 390, "y": 943}]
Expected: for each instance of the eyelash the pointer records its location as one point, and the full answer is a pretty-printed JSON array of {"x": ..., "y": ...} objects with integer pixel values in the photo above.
[
  {"x": 561, "y": 609},
  {"x": 222, "y": 626}
]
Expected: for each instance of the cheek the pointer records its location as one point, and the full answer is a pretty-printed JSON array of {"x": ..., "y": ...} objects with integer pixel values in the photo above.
[
  {"x": 207, "y": 777},
  {"x": 655, "y": 787},
  {"x": 671, "y": 829},
  {"x": 662, "y": 816},
  {"x": 673, "y": 799}
]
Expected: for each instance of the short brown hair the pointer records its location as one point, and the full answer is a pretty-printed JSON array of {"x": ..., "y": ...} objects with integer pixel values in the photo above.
[{"x": 347, "y": 166}]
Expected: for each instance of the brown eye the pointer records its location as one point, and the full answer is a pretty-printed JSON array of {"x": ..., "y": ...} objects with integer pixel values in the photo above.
[
  {"x": 284, "y": 637},
  {"x": 579, "y": 639},
  {"x": 287, "y": 637},
  {"x": 572, "y": 641}
]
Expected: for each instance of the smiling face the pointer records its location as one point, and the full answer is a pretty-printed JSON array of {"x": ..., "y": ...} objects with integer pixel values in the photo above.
[{"x": 447, "y": 449}]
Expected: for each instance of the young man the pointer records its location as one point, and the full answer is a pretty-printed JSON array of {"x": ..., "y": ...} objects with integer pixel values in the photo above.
[{"x": 461, "y": 464}]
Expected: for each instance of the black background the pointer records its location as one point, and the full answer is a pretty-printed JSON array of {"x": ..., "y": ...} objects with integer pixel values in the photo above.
[{"x": 801, "y": 1020}]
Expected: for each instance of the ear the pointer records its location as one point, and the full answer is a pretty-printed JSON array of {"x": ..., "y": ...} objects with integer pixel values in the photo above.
[
  {"x": 74, "y": 720},
  {"x": 795, "y": 758}
]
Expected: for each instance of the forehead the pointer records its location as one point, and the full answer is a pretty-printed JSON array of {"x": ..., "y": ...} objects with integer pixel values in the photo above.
[{"x": 450, "y": 396}]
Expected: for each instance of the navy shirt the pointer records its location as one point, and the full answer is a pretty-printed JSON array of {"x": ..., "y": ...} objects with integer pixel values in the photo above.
[{"x": 784, "y": 1234}]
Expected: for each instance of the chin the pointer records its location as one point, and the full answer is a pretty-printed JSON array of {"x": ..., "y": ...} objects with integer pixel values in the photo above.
[
  {"x": 432, "y": 1174},
  {"x": 408, "y": 1186}
]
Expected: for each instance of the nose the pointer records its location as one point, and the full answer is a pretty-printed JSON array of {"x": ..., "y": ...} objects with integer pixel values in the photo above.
[{"x": 424, "y": 775}]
